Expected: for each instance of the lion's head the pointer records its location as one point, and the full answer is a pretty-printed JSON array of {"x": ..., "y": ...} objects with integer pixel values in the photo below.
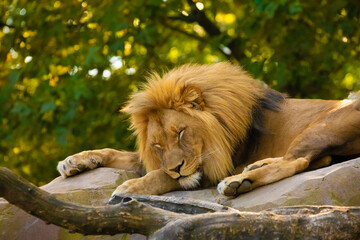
[{"x": 189, "y": 120}]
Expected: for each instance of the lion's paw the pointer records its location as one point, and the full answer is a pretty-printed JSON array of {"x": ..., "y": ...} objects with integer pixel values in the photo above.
[
  {"x": 78, "y": 163},
  {"x": 233, "y": 186},
  {"x": 131, "y": 186}
]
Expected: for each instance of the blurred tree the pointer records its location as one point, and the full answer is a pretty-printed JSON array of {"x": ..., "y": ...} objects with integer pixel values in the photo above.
[{"x": 66, "y": 66}]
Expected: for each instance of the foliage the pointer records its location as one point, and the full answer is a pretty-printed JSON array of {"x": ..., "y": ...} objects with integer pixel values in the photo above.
[{"x": 66, "y": 66}]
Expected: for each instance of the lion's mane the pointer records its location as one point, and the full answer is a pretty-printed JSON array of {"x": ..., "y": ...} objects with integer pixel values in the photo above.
[{"x": 229, "y": 97}]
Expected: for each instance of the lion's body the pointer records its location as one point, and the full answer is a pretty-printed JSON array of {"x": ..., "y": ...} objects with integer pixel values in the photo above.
[
  {"x": 202, "y": 123},
  {"x": 293, "y": 118}
]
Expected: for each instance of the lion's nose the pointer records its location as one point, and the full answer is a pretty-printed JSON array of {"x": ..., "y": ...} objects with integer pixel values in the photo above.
[{"x": 177, "y": 169}]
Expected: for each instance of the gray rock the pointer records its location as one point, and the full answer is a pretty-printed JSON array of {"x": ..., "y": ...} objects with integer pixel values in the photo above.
[
  {"x": 338, "y": 184},
  {"x": 89, "y": 188},
  {"x": 335, "y": 185}
]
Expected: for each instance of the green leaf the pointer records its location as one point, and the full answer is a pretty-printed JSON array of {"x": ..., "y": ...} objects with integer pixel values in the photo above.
[
  {"x": 155, "y": 2},
  {"x": 61, "y": 135},
  {"x": 14, "y": 76},
  {"x": 295, "y": 7},
  {"x": 270, "y": 9},
  {"x": 92, "y": 55},
  {"x": 21, "y": 109},
  {"x": 46, "y": 107}
]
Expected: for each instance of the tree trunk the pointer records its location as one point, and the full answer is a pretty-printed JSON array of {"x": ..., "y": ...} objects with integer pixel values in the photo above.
[
  {"x": 305, "y": 222},
  {"x": 171, "y": 218}
]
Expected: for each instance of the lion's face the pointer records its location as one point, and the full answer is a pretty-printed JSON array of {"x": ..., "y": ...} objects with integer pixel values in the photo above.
[
  {"x": 188, "y": 121},
  {"x": 176, "y": 139}
]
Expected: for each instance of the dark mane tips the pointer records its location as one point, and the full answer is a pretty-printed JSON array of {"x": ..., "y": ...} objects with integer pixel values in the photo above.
[{"x": 272, "y": 100}]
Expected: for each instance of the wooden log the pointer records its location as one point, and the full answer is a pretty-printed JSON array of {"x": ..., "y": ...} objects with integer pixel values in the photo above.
[
  {"x": 301, "y": 222},
  {"x": 130, "y": 216},
  {"x": 201, "y": 220}
]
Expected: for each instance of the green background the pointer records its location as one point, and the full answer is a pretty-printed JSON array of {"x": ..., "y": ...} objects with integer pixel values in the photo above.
[{"x": 66, "y": 67}]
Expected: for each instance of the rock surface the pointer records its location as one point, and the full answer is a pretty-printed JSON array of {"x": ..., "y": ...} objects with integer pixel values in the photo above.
[
  {"x": 89, "y": 188},
  {"x": 338, "y": 184}
]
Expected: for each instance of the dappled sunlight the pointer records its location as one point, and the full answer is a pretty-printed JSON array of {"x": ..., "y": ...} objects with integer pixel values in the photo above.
[{"x": 67, "y": 66}]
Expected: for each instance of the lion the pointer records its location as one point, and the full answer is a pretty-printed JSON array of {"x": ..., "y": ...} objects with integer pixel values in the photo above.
[{"x": 202, "y": 125}]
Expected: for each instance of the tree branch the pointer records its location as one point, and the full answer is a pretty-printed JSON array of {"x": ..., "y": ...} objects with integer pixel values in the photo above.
[
  {"x": 128, "y": 217},
  {"x": 198, "y": 16},
  {"x": 212, "y": 30},
  {"x": 203, "y": 20},
  {"x": 302, "y": 222},
  {"x": 167, "y": 25},
  {"x": 202, "y": 221},
  {"x": 6, "y": 25}
]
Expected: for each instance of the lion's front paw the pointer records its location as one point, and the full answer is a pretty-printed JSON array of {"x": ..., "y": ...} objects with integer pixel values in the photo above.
[
  {"x": 78, "y": 163},
  {"x": 233, "y": 186},
  {"x": 132, "y": 186}
]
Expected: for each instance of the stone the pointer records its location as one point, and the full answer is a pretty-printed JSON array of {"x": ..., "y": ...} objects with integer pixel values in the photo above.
[
  {"x": 338, "y": 184},
  {"x": 93, "y": 188}
]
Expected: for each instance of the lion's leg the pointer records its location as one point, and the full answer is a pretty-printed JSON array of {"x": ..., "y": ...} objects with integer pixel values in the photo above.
[
  {"x": 277, "y": 169},
  {"x": 261, "y": 173},
  {"x": 336, "y": 134},
  {"x": 319, "y": 163},
  {"x": 95, "y": 158},
  {"x": 153, "y": 183}
]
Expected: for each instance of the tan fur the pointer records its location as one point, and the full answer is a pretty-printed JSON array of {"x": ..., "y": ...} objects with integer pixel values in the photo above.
[
  {"x": 230, "y": 94},
  {"x": 193, "y": 123},
  {"x": 355, "y": 96}
]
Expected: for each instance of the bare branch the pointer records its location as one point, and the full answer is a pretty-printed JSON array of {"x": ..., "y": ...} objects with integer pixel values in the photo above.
[
  {"x": 6, "y": 25},
  {"x": 302, "y": 222},
  {"x": 199, "y": 16},
  {"x": 128, "y": 217},
  {"x": 133, "y": 216},
  {"x": 167, "y": 25},
  {"x": 212, "y": 30}
]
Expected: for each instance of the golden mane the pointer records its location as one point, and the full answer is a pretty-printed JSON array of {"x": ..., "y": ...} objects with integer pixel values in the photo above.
[{"x": 229, "y": 98}]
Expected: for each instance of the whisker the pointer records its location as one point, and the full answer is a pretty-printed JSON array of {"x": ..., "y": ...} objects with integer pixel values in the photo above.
[{"x": 206, "y": 155}]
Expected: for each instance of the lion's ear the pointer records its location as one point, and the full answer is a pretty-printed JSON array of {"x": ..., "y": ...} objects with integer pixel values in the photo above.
[{"x": 192, "y": 97}]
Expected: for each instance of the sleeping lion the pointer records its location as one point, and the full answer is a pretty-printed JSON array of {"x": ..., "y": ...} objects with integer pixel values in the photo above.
[{"x": 202, "y": 125}]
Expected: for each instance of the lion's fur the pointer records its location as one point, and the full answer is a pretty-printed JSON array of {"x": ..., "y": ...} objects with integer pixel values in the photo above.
[
  {"x": 355, "y": 96},
  {"x": 228, "y": 97},
  {"x": 194, "y": 123}
]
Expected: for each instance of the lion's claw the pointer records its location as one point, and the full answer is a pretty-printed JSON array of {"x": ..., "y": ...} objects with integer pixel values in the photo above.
[
  {"x": 230, "y": 187},
  {"x": 131, "y": 186},
  {"x": 77, "y": 163}
]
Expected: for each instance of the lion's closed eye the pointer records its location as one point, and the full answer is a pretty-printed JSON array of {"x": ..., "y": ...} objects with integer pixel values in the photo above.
[
  {"x": 157, "y": 146},
  {"x": 180, "y": 134}
]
